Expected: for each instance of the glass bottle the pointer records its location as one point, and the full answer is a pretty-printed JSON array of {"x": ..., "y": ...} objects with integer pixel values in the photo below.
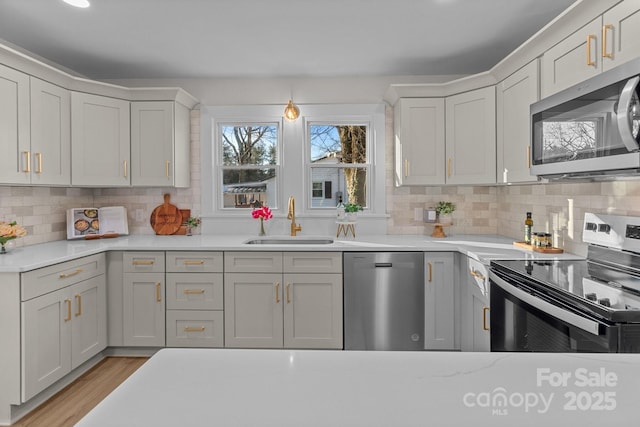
[
  {"x": 528, "y": 225},
  {"x": 340, "y": 212}
]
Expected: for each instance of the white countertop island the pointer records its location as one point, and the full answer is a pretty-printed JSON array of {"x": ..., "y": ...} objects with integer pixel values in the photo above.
[{"x": 285, "y": 388}]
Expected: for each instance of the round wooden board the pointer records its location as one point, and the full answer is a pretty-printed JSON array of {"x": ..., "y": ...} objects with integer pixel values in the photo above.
[{"x": 166, "y": 218}]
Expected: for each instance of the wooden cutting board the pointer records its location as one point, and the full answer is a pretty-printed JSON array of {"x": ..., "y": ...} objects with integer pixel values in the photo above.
[{"x": 166, "y": 218}]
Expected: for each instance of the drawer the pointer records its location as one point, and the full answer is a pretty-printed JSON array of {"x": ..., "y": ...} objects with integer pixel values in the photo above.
[
  {"x": 48, "y": 279},
  {"x": 143, "y": 262},
  {"x": 190, "y": 328},
  {"x": 253, "y": 262},
  {"x": 195, "y": 291},
  {"x": 313, "y": 262},
  {"x": 200, "y": 262}
]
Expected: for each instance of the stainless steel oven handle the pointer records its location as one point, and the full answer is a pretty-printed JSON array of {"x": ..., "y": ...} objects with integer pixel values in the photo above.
[
  {"x": 557, "y": 312},
  {"x": 625, "y": 121}
]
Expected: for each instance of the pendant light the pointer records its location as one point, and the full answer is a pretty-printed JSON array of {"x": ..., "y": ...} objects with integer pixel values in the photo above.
[{"x": 291, "y": 111}]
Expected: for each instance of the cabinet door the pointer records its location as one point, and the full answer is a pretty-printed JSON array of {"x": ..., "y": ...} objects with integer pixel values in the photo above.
[
  {"x": 313, "y": 311},
  {"x": 89, "y": 325},
  {"x": 100, "y": 141},
  {"x": 621, "y": 34},
  {"x": 253, "y": 310},
  {"x": 46, "y": 341},
  {"x": 144, "y": 309},
  {"x": 15, "y": 141},
  {"x": 152, "y": 142},
  {"x": 419, "y": 141},
  {"x": 471, "y": 137},
  {"x": 50, "y": 133},
  {"x": 574, "y": 59},
  {"x": 195, "y": 291},
  {"x": 479, "y": 307},
  {"x": 515, "y": 94},
  {"x": 439, "y": 320}
]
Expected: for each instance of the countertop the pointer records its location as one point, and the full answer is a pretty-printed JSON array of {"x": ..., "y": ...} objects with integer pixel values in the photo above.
[
  {"x": 483, "y": 248},
  {"x": 304, "y": 388}
]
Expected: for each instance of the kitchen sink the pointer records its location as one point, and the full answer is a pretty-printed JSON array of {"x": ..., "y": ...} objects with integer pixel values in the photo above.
[{"x": 289, "y": 241}]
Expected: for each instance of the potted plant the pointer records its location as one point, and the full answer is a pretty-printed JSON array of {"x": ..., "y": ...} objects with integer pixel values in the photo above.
[
  {"x": 192, "y": 223},
  {"x": 444, "y": 211},
  {"x": 352, "y": 209}
]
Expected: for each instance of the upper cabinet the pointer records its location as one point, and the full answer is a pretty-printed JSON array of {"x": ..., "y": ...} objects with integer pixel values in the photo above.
[
  {"x": 419, "y": 141},
  {"x": 15, "y": 162},
  {"x": 471, "y": 137},
  {"x": 609, "y": 40},
  {"x": 514, "y": 95},
  {"x": 160, "y": 153},
  {"x": 100, "y": 137}
]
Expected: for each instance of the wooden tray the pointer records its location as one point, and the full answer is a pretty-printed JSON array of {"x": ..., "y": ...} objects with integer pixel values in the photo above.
[{"x": 537, "y": 249}]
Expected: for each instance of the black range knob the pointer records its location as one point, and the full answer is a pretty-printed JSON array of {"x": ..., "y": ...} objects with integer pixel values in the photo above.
[
  {"x": 591, "y": 296},
  {"x": 605, "y": 301},
  {"x": 591, "y": 226},
  {"x": 604, "y": 228}
]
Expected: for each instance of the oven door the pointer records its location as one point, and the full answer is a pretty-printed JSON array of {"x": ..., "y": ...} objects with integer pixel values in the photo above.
[{"x": 526, "y": 319}]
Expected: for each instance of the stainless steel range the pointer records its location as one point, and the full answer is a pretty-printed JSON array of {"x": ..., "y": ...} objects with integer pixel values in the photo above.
[{"x": 590, "y": 305}]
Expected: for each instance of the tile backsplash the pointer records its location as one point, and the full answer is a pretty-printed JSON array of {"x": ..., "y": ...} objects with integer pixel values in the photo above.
[{"x": 557, "y": 208}]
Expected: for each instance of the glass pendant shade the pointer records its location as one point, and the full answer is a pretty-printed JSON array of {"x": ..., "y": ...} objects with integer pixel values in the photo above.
[{"x": 291, "y": 111}]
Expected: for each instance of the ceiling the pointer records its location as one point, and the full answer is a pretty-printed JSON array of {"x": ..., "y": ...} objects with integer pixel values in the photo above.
[{"x": 126, "y": 39}]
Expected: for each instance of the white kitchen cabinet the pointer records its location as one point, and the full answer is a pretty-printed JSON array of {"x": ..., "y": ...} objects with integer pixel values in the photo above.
[
  {"x": 50, "y": 134},
  {"x": 297, "y": 306},
  {"x": 143, "y": 299},
  {"x": 195, "y": 303},
  {"x": 439, "y": 297},
  {"x": 471, "y": 137},
  {"x": 15, "y": 141},
  {"x": 160, "y": 144},
  {"x": 63, "y": 325},
  {"x": 419, "y": 141},
  {"x": 475, "y": 331},
  {"x": 100, "y": 141},
  {"x": 515, "y": 94},
  {"x": 606, "y": 42}
]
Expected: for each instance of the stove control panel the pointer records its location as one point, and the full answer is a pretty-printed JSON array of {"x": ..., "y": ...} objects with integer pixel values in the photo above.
[{"x": 620, "y": 232}]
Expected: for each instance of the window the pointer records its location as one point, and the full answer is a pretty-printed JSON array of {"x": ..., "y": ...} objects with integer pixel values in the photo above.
[
  {"x": 248, "y": 164},
  {"x": 338, "y": 155}
]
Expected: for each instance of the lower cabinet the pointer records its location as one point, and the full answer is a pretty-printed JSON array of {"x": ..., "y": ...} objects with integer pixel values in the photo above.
[
  {"x": 439, "y": 301},
  {"x": 284, "y": 308},
  {"x": 62, "y": 329},
  {"x": 475, "y": 333}
]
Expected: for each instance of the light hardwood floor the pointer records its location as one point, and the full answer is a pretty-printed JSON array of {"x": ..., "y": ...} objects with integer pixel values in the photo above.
[{"x": 69, "y": 405}]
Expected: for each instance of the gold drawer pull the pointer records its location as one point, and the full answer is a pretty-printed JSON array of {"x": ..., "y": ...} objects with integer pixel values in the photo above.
[
  {"x": 143, "y": 262},
  {"x": 126, "y": 168},
  {"x": 194, "y": 262},
  {"x": 79, "y": 303},
  {"x": 430, "y": 271},
  {"x": 68, "y": 302},
  {"x": 39, "y": 155},
  {"x": 194, "y": 291},
  {"x": 194, "y": 328},
  {"x": 28, "y": 163},
  {"x": 278, "y": 293},
  {"x": 158, "y": 294},
  {"x": 484, "y": 318},
  {"x": 606, "y": 54},
  {"x": 590, "y": 62},
  {"x": 288, "y": 297},
  {"x": 73, "y": 273},
  {"x": 406, "y": 168},
  {"x": 449, "y": 167},
  {"x": 166, "y": 167}
]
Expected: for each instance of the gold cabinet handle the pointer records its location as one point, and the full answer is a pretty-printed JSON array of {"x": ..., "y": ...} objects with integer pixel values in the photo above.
[
  {"x": 604, "y": 41},
  {"x": 68, "y": 302},
  {"x": 39, "y": 156},
  {"x": 126, "y": 169},
  {"x": 288, "y": 298},
  {"x": 79, "y": 304},
  {"x": 477, "y": 275},
  {"x": 193, "y": 262},
  {"x": 193, "y": 291},
  {"x": 143, "y": 262},
  {"x": 449, "y": 167},
  {"x": 73, "y": 273},
  {"x": 166, "y": 168},
  {"x": 194, "y": 328},
  {"x": 158, "y": 293},
  {"x": 430, "y": 271},
  {"x": 27, "y": 169},
  {"x": 406, "y": 168},
  {"x": 485, "y": 310},
  {"x": 590, "y": 62},
  {"x": 528, "y": 156},
  {"x": 278, "y": 293}
]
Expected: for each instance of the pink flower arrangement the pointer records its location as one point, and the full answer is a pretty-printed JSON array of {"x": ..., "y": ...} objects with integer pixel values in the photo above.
[
  {"x": 263, "y": 213},
  {"x": 9, "y": 231}
]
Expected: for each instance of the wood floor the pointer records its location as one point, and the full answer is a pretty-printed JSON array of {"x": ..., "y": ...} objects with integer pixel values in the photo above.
[{"x": 69, "y": 405}]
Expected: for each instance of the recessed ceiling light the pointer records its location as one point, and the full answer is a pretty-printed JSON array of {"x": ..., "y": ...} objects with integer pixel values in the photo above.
[{"x": 78, "y": 3}]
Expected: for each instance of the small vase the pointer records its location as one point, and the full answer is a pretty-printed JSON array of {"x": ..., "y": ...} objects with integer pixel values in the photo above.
[
  {"x": 352, "y": 216},
  {"x": 189, "y": 231},
  {"x": 3, "y": 250},
  {"x": 262, "y": 233}
]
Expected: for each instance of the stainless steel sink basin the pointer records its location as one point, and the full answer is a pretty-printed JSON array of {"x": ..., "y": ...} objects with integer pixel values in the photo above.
[{"x": 291, "y": 241}]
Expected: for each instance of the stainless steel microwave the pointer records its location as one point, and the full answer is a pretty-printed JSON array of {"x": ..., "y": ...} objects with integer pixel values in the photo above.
[{"x": 591, "y": 130}]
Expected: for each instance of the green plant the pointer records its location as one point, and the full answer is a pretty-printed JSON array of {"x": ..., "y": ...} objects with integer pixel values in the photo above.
[
  {"x": 445, "y": 208},
  {"x": 193, "y": 221},
  {"x": 352, "y": 207}
]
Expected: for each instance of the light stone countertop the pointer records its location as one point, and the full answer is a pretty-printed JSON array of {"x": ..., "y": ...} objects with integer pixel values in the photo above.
[{"x": 483, "y": 248}]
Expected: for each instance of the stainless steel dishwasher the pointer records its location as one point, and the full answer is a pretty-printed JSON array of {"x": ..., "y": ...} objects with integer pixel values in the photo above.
[{"x": 383, "y": 300}]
